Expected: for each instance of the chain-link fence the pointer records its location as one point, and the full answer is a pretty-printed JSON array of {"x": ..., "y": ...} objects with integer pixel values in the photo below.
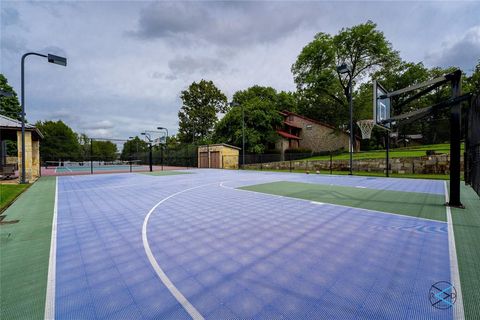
[
  {"x": 472, "y": 145},
  {"x": 101, "y": 155}
]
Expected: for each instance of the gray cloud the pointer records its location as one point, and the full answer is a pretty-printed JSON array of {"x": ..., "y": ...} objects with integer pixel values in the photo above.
[
  {"x": 117, "y": 86},
  {"x": 10, "y": 16},
  {"x": 187, "y": 64},
  {"x": 463, "y": 53},
  {"x": 232, "y": 23}
]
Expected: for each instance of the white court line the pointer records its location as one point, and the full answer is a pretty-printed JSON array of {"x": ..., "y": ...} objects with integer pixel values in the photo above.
[
  {"x": 458, "y": 312},
  {"x": 331, "y": 204},
  {"x": 50, "y": 297},
  {"x": 192, "y": 311}
]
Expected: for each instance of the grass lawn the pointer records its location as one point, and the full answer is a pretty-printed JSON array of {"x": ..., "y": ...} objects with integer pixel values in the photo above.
[
  {"x": 417, "y": 151},
  {"x": 9, "y": 192}
]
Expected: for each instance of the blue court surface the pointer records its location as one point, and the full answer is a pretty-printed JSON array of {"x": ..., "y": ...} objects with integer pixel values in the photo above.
[{"x": 133, "y": 246}]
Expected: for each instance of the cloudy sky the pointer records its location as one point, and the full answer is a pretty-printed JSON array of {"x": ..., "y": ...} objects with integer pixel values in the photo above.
[{"x": 128, "y": 61}]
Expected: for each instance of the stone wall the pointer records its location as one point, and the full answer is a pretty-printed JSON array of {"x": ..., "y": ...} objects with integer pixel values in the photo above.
[{"x": 438, "y": 164}]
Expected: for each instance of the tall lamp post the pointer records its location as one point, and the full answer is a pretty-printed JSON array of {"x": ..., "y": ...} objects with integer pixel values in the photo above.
[
  {"x": 52, "y": 59},
  {"x": 150, "y": 156},
  {"x": 136, "y": 142},
  {"x": 166, "y": 146},
  {"x": 236, "y": 104},
  {"x": 345, "y": 69}
]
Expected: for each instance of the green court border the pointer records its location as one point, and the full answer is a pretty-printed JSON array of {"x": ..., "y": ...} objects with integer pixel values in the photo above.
[{"x": 24, "y": 252}]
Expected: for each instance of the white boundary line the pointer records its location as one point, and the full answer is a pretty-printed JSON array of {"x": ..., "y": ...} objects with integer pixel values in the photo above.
[
  {"x": 331, "y": 204},
  {"x": 192, "y": 311},
  {"x": 50, "y": 297},
  {"x": 458, "y": 312}
]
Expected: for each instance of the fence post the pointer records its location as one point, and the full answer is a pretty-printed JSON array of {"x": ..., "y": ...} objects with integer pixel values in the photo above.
[
  {"x": 330, "y": 162},
  {"x": 91, "y": 156}
]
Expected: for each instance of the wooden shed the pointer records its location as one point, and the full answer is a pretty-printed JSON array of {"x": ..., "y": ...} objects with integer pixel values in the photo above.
[{"x": 220, "y": 156}]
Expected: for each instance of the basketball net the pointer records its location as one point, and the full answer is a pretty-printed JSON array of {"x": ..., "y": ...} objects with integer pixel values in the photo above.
[{"x": 366, "y": 126}]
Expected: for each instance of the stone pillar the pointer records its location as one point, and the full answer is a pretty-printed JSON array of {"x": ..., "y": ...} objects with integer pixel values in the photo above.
[
  {"x": 28, "y": 154},
  {"x": 35, "y": 159}
]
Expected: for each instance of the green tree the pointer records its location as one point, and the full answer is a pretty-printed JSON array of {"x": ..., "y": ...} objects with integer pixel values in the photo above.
[
  {"x": 60, "y": 142},
  {"x": 133, "y": 148},
  {"x": 198, "y": 114},
  {"x": 261, "y": 108},
  {"x": 474, "y": 80},
  {"x": 9, "y": 106},
  {"x": 104, "y": 150},
  {"x": 362, "y": 47}
]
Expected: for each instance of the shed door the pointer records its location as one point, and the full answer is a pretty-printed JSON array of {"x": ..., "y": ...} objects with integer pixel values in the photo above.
[
  {"x": 203, "y": 161},
  {"x": 215, "y": 159}
]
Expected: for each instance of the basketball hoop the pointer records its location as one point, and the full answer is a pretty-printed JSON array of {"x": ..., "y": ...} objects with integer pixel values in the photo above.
[{"x": 366, "y": 126}]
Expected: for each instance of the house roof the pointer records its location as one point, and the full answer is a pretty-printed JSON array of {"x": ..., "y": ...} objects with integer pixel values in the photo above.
[
  {"x": 291, "y": 124},
  {"x": 7, "y": 123},
  {"x": 287, "y": 135},
  {"x": 220, "y": 144}
]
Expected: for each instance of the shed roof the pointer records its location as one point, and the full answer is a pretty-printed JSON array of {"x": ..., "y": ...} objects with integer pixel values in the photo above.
[
  {"x": 7, "y": 123},
  {"x": 220, "y": 144}
]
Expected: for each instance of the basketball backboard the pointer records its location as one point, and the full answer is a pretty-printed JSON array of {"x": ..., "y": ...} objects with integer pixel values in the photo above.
[
  {"x": 381, "y": 105},
  {"x": 160, "y": 140}
]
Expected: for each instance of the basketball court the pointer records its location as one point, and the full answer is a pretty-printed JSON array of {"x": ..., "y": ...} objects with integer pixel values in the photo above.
[{"x": 208, "y": 245}]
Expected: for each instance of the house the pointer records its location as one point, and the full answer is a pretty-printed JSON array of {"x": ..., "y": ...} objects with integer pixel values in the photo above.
[{"x": 298, "y": 131}]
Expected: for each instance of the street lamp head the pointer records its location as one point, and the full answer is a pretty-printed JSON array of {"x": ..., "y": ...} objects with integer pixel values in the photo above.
[
  {"x": 143, "y": 133},
  {"x": 160, "y": 128},
  {"x": 57, "y": 60},
  {"x": 343, "y": 68},
  {"x": 234, "y": 104}
]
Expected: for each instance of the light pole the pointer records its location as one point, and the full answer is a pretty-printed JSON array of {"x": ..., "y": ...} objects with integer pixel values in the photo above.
[
  {"x": 136, "y": 142},
  {"x": 166, "y": 146},
  {"x": 345, "y": 69},
  {"x": 150, "y": 157},
  {"x": 52, "y": 59},
  {"x": 235, "y": 104}
]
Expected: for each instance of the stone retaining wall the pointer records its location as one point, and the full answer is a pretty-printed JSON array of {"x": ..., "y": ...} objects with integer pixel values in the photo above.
[{"x": 438, "y": 164}]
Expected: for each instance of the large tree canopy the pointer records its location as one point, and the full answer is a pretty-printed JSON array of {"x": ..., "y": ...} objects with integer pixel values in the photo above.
[
  {"x": 104, "y": 150},
  {"x": 133, "y": 149},
  {"x": 323, "y": 90},
  {"x": 261, "y": 108},
  {"x": 60, "y": 141},
  {"x": 198, "y": 114},
  {"x": 9, "y": 106}
]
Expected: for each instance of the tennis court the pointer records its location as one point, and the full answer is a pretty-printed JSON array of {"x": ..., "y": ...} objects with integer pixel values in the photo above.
[{"x": 205, "y": 245}]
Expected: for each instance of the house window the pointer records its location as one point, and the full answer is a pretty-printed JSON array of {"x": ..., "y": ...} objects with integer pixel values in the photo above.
[
  {"x": 290, "y": 118},
  {"x": 309, "y": 127}
]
